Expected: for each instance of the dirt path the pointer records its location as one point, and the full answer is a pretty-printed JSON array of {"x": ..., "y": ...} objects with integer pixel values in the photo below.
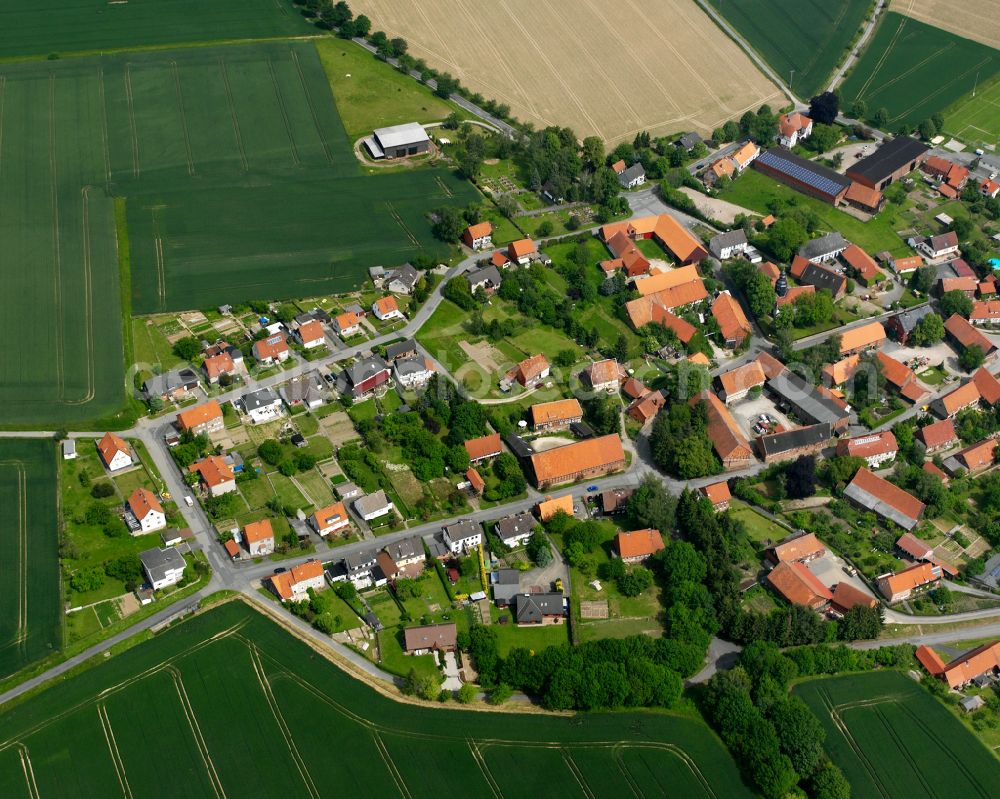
[{"x": 721, "y": 210}]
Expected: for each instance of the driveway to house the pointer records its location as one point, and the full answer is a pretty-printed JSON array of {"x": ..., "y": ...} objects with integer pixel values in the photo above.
[
  {"x": 830, "y": 569},
  {"x": 714, "y": 208}
]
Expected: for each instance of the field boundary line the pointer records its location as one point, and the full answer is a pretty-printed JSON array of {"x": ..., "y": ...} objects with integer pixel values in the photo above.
[
  {"x": 183, "y": 116},
  {"x": 232, "y": 114},
  {"x": 116, "y": 756},
  {"x": 21, "y": 631},
  {"x": 309, "y": 102},
  {"x": 131, "y": 120},
  {"x": 272, "y": 703},
  {"x": 927, "y": 98},
  {"x": 393, "y": 771},
  {"x": 577, "y": 774},
  {"x": 199, "y": 738},
  {"x": 56, "y": 240},
  {"x": 627, "y": 775},
  {"x": 284, "y": 113},
  {"x": 399, "y": 221},
  {"x": 480, "y": 761},
  {"x": 841, "y": 725},
  {"x": 88, "y": 293},
  {"x": 3, "y": 97},
  {"x": 105, "y": 137},
  {"x": 903, "y": 750},
  {"x": 28, "y": 769}
]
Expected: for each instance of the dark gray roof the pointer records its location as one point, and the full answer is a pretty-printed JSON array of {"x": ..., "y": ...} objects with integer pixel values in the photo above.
[
  {"x": 365, "y": 368},
  {"x": 822, "y": 278},
  {"x": 436, "y": 545},
  {"x": 461, "y": 530},
  {"x": 412, "y": 365},
  {"x": 630, "y": 174},
  {"x": 170, "y": 381},
  {"x": 689, "y": 140},
  {"x": 307, "y": 388},
  {"x": 532, "y": 608},
  {"x": 791, "y": 440},
  {"x": 518, "y": 445},
  {"x": 480, "y": 277},
  {"x": 405, "y": 274},
  {"x": 817, "y": 176},
  {"x": 371, "y": 502},
  {"x": 515, "y": 525},
  {"x": 806, "y": 399},
  {"x": 359, "y": 561},
  {"x": 909, "y": 319},
  {"x": 824, "y": 245},
  {"x": 157, "y": 562},
  {"x": 506, "y": 577},
  {"x": 261, "y": 398},
  {"x": 888, "y": 158},
  {"x": 405, "y": 549},
  {"x": 403, "y": 347},
  {"x": 732, "y": 238}
]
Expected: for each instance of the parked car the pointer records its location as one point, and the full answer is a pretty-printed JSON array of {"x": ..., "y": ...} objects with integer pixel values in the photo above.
[
  {"x": 189, "y": 501},
  {"x": 592, "y": 488}
]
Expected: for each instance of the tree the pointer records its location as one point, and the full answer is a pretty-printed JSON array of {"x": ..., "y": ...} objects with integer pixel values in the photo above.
[
  {"x": 544, "y": 229},
  {"x": 929, "y": 330},
  {"x": 923, "y": 279},
  {"x": 972, "y": 358},
  {"x": 829, "y": 783},
  {"x": 127, "y": 569},
  {"x": 446, "y": 86},
  {"x": 187, "y": 348},
  {"x": 823, "y": 138},
  {"x": 620, "y": 350},
  {"x": 450, "y": 223},
  {"x": 954, "y": 302},
  {"x": 467, "y": 693},
  {"x": 538, "y": 549},
  {"x": 823, "y": 108},
  {"x": 881, "y": 117},
  {"x": 800, "y": 734},
  {"x": 102, "y": 490},
  {"x": 785, "y": 236},
  {"x": 927, "y": 129},
  {"x": 271, "y": 452},
  {"x": 800, "y": 477},
  {"x": 652, "y": 505},
  {"x": 593, "y": 151},
  {"x": 634, "y": 582},
  {"x": 362, "y": 25},
  {"x": 500, "y": 694},
  {"x": 858, "y": 109}
]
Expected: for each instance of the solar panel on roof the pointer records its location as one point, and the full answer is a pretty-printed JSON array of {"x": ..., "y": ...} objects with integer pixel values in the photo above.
[{"x": 802, "y": 173}]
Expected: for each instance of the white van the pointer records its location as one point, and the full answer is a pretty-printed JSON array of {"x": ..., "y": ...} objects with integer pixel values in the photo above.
[{"x": 189, "y": 501}]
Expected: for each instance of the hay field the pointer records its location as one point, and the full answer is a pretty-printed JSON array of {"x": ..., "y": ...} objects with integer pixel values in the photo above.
[
  {"x": 29, "y": 554},
  {"x": 604, "y": 69},
  {"x": 978, "y": 20},
  {"x": 893, "y": 740},
  {"x": 232, "y": 705}
]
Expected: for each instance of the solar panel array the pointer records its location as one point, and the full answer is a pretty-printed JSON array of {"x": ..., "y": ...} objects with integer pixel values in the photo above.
[{"x": 818, "y": 177}]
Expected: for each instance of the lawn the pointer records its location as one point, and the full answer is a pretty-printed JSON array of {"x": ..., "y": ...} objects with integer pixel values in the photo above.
[
  {"x": 976, "y": 120},
  {"x": 248, "y": 684},
  {"x": 535, "y": 639},
  {"x": 759, "y": 528},
  {"x": 807, "y": 37},
  {"x": 933, "y": 376},
  {"x": 756, "y": 191},
  {"x": 150, "y": 346},
  {"x": 893, "y": 740},
  {"x": 30, "y": 610},
  {"x": 914, "y": 70}
]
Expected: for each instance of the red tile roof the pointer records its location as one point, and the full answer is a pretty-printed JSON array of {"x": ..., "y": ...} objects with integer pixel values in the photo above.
[
  {"x": 285, "y": 582},
  {"x": 717, "y": 493},
  {"x": 562, "y": 463},
  {"x": 110, "y": 445},
  {"x": 988, "y": 385},
  {"x": 550, "y": 507},
  {"x": 484, "y": 446},
  {"x": 798, "y": 548},
  {"x": 142, "y": 501},
  {"x": 847, "y": 596},
  {"x": 638, "y": 543},
  {"x": 726, "y": 436},
  {"x": 937, "y": 434},
  {"x": 733, "y": 323},
  {"x": 258, "y": 531},
  {"x": 868, "y": 446},
  {"x": 798, "y": 585},
  {"x": 930, "y": 660},
  {"x": 557, "y": 411},
  {"x": 214, "y": 471},
  {"x": 861, "y": 337},
  {"x": 888, "y": 493},
  {"x": 861, "y": 261},
  {"x": 970, "y": 665},
  {"x": 966, "y": 335}
]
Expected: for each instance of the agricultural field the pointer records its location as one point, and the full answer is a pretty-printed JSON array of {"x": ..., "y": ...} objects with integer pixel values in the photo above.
[
  {"x": 973, "y": 19},
  {"x": 914, "y": 70},
  {"x": 41, "y": 27},
  {"x": 810, "y": 37},
  {"x": 29, "y": 553},
  {"x": 238, "y": 702},
  {"x": 893, "y": 740},
  {"x": 671, "y": 69}
]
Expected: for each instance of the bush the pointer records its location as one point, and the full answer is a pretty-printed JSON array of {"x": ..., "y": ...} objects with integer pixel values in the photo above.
[{"x": 102, "y": 490}]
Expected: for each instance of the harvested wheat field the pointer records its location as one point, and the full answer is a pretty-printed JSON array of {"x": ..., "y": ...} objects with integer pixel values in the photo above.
[
  {"x": 978, "y": 20},
  {"x": 605, "y": 69}
]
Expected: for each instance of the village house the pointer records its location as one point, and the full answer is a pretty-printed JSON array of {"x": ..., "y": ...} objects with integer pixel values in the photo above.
[
  {"x": 402, "y": 280},
  {"x": 861, "y": 265},
  {"x": 862, "y": 338},
  {"x": 989, "y": 188},
  {"x": 330, "y": 519},
  {"x": 847, "y": 596},
  {"x": 593, "y": 457},
  {"x": 983, "y": 661},
  {"x": 637, "y": 545},
  {"x": 789, "y": 444},
  {"x": 900, "y": 586},
  {"x": 865, "y": 199},
  {"x": 413, "y": 373},
  {"x": 949, "y": 177},
  {"x": 985, "y": 312},
  {"x": 745, "y": 156},
  {"x": 262, "y": 405},
  {"x": 737, "y": 383},
  {"x": 115, "y": 452},
  {"x": 549, "y": 507},
  {"x": 876, "y": 449},
  {"x": 215, "y": 476},
  {"x": 386, "y": 309},
  {"x": 733, "y": 324},
  {"x": 311, "y": 334},
  {"x": 258, "y": 537},
  {"x": 799, "y": 586},
  {"x": 347, "y": 324},
  {"x": 516, "y": 529},
  {"x": 487, "y": 278},
  {"x": 614, "y": 501},
  {"x": 476, "y": 483},
  {"x": 728, "y": 245},
  {"x": 912, "y": 548},
  {"x": 793, "y": 128},
  {"x": 796, "y": 549},
  {"x": 144, "y": 513},
  {"x": 727, "y": 439},
  {"x": 463, "y": 536},
  {"x": 222, "y": 360},
  {"x": 556, "y": 415},
  {"x": 606, "y": 375},
  {"x": 306, "y": 391},
  {"x": 484, "y": 447},
  {"x": 201, "y": 419},
  {"x": 722, "y": 168},
  {"x": 647, "y": 407},
  {"x": 718, "y": 494},
  {"x": 479, "y": 236},
  {"x": 373, "y": 506},
  {"x": 938, "y": 247},
  {"x": 366, "y": 375},
  {"x": 172, "y": 386},
  {"x": 633, "y": 177},
  {"x": 272, "y": 349},
  {"x": 811, "y": 404},
  {"x": 162, "y": 567},
  {"x": 964, "y": 335},
  {"x": 973, "y": 459},
  {"x": 824, "y": 248},
  {"x": 540, "y": 609},
  {"x": 294, "y": 584},
  {"x": 903, "y": 324},
  {"x": 870, "y": 492},
  {"x": 528, "y": 373},
  {"x": 430, "y": 638},
  {"x": 814, "y": 276},
  {"x": 666, "y": 231},
  {"x": 968, "y": 286},
  {"x": 407, "y": 556},
  {"x": 982, "y": 389},
  {"x": 520, "y": 251}
]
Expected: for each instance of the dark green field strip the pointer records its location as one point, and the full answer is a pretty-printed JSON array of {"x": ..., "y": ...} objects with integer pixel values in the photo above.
[
  {"x": 915, "y": 70},
  {"x": 330, "y": 721},
  {"x": 71, "y": 758},
  {"x": 13, "y": 779},
  {"x": 29, "y": 565},
  {"x": 657, "y": 772},
  {"x": 893, "y": 740},
  {"x": 808, "y": 36},
  {"x": 431, "y": 767},
  {"x": 600, "y": 768},
  {"x": 160, "y": 758},
  {"x": 362, "y": 771},
  {"x": 39, "y": 27}
]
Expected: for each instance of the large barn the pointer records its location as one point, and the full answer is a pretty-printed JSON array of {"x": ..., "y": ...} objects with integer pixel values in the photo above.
[
  {"x": 803, "y": 175},
  {"x": 891, "y": 161},
  {"x": 398, "y": 141}
]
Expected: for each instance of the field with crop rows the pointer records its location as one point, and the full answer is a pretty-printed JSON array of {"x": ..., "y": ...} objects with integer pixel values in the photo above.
[
  {"x": 229, "y": 704},
  {"x": 29, "y": 554},
  {"x": 894, "y": 740},
  {"x": 603, "y": 69},
  {"x": 41, "y": 27},
  {"x": 914, "y": 70},
  {"x": 807, "y": 36},
  {"x": 973, "y": 19}
]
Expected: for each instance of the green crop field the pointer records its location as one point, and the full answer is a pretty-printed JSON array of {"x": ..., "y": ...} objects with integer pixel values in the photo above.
[
  {"x": 29, "y": 554},
  {"x": 894, "y": 740},
  {"x": 914, "y": 70},
  {"x": 229, "y": 704},
  {"x": 41, "y": 27},
  {"x": 808, "y": 36}
]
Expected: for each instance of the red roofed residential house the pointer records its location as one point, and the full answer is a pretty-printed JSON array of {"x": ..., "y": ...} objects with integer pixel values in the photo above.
[
  {"x": 607, "y": 375},
  {"x": 592, "y": 457},
  {"x": 637, "y": 545},
  {"x": 733, "y": 324},
  {"x": 980, "y": 661},
  {"x": 863, "y": 265},
  {"x": 331, "y": 519},
  {"x": 555, "y": 415},
  {"x": 520, "y": 251},
  {"x": 114, "y": 452},
  {"x": 480, "y": 449},
  {"x": 902, "y": 585},
  {"x": 478, "y": 237},
  {"x": 205, "y": 418},
  {"x": 718, "y": 494},
  {"x": 965, "y": 335},
  {"x": 529, "y": 372},
  {"x": 386, "y": 308},
  {"x": 215, "y": 475},
  {"x": 876, "y": 448},
  {"x": 799, "y": 586},
  {"x": 273, "y": 349},
  {"x": 871, "y": 492},
  {"x": 727, "y": 439},
  {"x": 147, "y": 510},
  {"x": 847, "y": 596},
  {"x": 347, "y": 324},
  {"x": 646, "y": 407},
  {"x": 989, "y": 188},
  {"x": 798, "y": 549},
  {"x": 938, "y": 435},
  {"x": 985, "y": 312},
  {"x": 258, "y": 537},
  {"x": 793, "y": 128},
  {"x": 975, "y": 458},
  {"x": 736, "y": 383},
  {"x": 293, "y": 585},
  {"x": 311, "y": 334}
]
